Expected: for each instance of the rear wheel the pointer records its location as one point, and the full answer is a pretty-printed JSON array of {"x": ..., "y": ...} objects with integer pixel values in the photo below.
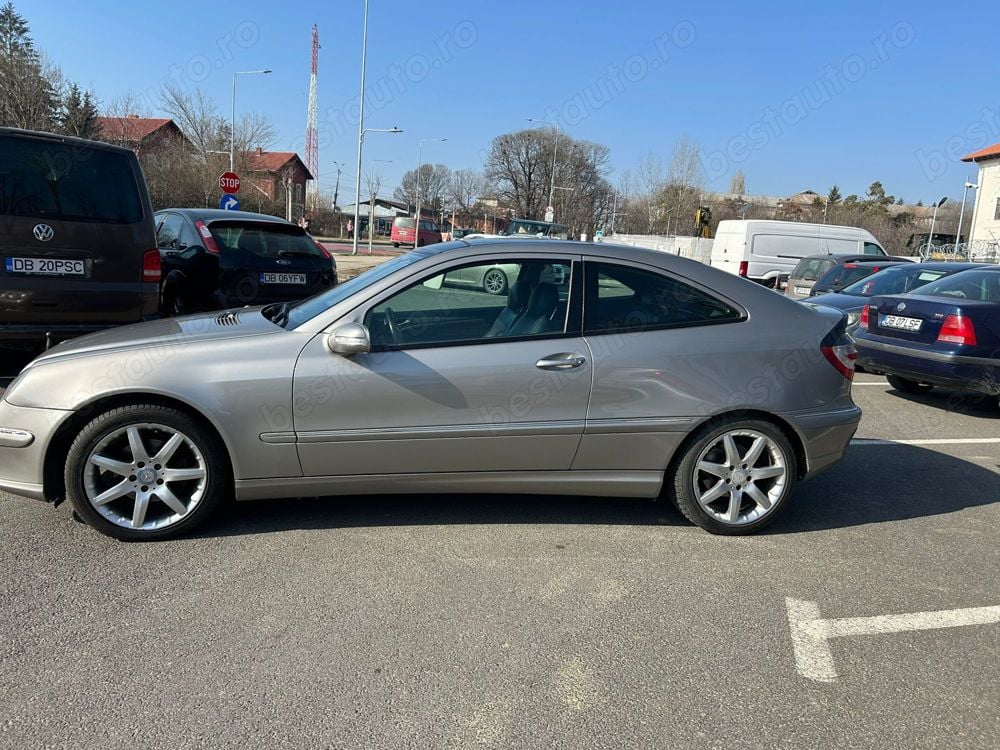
[
  {"x": 736, "y": 476},
  {"x": 395, "y": 244},
  {"x": 145, "y": 472},
  {"x": 174, "y": 304},
  {"x": 495, "y": 282},
  {"x": 903, "y": 385}
]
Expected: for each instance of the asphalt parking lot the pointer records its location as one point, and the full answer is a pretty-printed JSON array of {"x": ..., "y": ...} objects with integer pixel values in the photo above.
[{"x": 505, "y": 621}]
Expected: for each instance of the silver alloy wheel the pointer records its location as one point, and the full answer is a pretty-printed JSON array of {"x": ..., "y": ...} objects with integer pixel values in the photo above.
[
  {"x": 145, "y": 476},
  {"x": 739, "y": 478},
  {"x": 495, "y": 281}
]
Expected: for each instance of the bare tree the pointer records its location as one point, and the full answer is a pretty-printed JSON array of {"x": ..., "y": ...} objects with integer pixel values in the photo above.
[
  {"x": 432, "y": 182},
  {"x": 465, "y": 188},
  {"x": 738, "y": 183}
]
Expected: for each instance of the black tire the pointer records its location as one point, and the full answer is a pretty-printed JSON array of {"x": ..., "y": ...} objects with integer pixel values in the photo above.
[
  {"x": 680, "y": 480},
  {"x": 420, "y": 243},
  {"x": 395, "y": 244},
  {"x": 497, "y": 289},
  {"x": 903, "y": 385},
  {"x": 216, "y": 465},
  {"x": 174, "y": 305}
]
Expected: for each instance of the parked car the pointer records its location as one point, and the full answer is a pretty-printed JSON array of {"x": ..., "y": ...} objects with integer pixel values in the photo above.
[
  {"x": 639, "y": 384},
  {"x": 78, "y": 244},
  {"x": 808, "y": 271},
  {"x": 457, "y": 234},
  {"x": 496, "y": 279},
  {"x": 947, "y": 333},
  {"x": 402, "y": 232},
  {"x": 214, "y": 259},
  {"x": 897, "y": 279},
  {"x": 525, "y": 228},
  {"x": 845, "y": 274},
  {"x": 764, "y": 250}
]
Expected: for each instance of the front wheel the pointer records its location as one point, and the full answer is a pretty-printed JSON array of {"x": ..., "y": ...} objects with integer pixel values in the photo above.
[
  {"x": 903, "y": 385},
  {"x": 145, "y": 472},
  {"x": 735, "y": 477}
]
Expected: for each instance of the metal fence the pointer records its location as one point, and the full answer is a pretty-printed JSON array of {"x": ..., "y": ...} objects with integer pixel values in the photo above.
[{"x": 979, "y": 251}]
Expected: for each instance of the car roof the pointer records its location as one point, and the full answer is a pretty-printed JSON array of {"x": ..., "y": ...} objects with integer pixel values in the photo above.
[
  {"x": 943, "y": 265},
  {"x": 217, "y": 214},
  {"x": 81, "y": 143}
]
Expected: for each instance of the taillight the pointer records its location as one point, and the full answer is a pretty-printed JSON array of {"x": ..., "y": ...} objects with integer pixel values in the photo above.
[
  {"x": 957, "y": 329},
  {"x": 151, "y": 267},
  {"x": 863, "y": 320},
  {"x": 744, "y": 268},
  {"x": 842, "y": 357},
  {"x": 323, "y": 250},
  {"x": 206, "y": 235}
]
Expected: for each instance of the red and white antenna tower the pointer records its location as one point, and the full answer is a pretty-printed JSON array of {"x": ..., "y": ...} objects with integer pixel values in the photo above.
[{"x": 312, "y": 136}]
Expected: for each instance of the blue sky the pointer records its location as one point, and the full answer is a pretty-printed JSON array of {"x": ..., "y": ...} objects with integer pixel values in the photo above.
[{"x": 796, "y": 94}]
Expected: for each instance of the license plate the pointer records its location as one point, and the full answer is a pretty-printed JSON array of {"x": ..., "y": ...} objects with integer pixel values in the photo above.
[
  {"x": 803, "y": 290},
  {"x": 282, "y": 278},
  {"x": 900, "y": 323},
  {"x": 46, "y": 266}
]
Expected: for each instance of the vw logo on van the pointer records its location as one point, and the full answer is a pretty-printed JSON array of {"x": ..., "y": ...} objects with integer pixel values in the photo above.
[
  {"x": 900, "y": 307},
  {"x": 42, "y": 232}
]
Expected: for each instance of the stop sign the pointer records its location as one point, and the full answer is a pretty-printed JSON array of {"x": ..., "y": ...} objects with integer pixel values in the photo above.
[{"x": 229, "y": 182}]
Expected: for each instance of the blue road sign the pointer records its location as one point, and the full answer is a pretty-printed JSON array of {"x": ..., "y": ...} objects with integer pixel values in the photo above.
[{"x": 229, "y": 203}]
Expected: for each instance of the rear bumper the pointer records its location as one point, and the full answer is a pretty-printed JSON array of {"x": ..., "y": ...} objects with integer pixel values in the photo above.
[
  {"x": 964, "y": 372},
  {"x": 825, "y": 435},
  {"x": 25, "y": 435}
]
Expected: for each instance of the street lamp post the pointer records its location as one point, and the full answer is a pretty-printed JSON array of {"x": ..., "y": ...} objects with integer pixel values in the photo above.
[
  {"x": 930, "y": 237},
  {"x": 961, "y": 216},
  {"x": 555, "y": 150},
  {"x": 416, "y": 216},
  {"x": 357, "y": 186},
  {"x": 232, "y": 123},
  {"x": 361, "y": 131}
]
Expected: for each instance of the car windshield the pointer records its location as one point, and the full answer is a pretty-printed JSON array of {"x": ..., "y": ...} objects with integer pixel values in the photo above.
[
  {"x": 310, "y": 308},
  {"x": 263, "y": 239},
  {"x": 895, "y": 280},
  {"x": 977, "y": 285}
]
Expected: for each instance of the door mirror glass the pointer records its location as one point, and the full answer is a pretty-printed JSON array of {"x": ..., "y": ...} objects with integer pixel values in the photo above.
[{"x": 349, "y": 339}]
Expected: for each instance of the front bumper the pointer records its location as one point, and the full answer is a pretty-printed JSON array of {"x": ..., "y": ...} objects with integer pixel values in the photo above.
[
  {"x": 980, "y": 374},
  {"x": 825, "y": 435},
  {"x": 25, "y": 435}
]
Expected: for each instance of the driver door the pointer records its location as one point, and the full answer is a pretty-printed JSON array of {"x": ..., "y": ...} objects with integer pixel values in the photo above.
[{"x": 457, "y": 380}]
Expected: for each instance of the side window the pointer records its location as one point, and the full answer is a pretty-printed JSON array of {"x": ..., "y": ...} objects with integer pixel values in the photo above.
[
  {"x": 476, "y": 304},
  {"x": 622, "y": 299},
  {"x": 168, "y": 235},
  {"x": 872, "y": 249}
]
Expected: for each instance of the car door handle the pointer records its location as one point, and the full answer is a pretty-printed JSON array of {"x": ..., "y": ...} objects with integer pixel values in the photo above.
[{"x": 560, "y": 362}]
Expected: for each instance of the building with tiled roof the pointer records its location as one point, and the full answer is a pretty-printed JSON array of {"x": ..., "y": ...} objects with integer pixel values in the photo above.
[
  {"x": 986, "y": 212},
  {"x": 141, "y": 134}
]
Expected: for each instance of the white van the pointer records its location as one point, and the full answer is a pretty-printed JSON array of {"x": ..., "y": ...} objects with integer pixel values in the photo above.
[{"x": 765, "y": 250}]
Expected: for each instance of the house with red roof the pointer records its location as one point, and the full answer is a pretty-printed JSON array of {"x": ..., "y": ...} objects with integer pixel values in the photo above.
[
  {"x": 986, "y": 213},
  {"x": 141, "y": 134},
  {"x": 278, "y": 175}
]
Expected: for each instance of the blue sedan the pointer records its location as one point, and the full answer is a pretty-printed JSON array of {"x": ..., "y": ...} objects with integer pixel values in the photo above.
[{"x": 945, "y": 334}]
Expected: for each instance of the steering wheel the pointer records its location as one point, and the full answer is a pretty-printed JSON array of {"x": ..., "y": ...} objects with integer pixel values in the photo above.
[{"x": 390, "y": 322}]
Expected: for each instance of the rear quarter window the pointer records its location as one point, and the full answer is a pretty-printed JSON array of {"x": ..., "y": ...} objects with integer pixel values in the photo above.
[
  {"x": 623, "y": 299},
  {"x": 57, "y": 181}
]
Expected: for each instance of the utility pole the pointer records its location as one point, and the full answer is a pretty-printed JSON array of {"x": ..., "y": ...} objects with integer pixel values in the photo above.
[{"x": 336, "y": 189}]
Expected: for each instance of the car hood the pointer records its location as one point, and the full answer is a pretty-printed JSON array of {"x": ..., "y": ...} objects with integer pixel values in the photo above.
[
  {"x": 227, "y": 324},
  {"x": 839, "y": 301}
]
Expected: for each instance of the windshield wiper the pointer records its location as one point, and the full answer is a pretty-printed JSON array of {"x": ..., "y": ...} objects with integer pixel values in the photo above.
[{"x": 277, "y": 313}]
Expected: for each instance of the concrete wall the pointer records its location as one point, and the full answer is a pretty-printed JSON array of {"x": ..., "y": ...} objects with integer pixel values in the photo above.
[{"x": 697, "y": 248}]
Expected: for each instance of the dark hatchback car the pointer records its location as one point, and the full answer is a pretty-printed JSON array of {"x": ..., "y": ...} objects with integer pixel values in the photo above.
[
  {"x": 214, "y": 260},
  {"x": 898, "y": 279},
  {"x": 77, "y": 243},
  {"x": 947, "y": 333},
  {"x": 845, "y": 274},
  {"x": 808, "y": 270}
]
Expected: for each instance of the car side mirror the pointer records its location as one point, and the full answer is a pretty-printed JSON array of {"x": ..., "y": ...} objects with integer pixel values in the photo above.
[
  {"x": 435, "y": 282},
  {"x": 349, "y": 339}
]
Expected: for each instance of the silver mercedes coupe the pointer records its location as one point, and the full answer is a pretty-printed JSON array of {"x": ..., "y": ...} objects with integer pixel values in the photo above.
[{"x": 599, "y": 370}]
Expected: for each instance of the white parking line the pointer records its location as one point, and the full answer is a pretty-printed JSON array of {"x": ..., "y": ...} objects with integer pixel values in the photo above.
[
  {"x": 928, "y": 441},
  {"x": 811, "y": 634}
]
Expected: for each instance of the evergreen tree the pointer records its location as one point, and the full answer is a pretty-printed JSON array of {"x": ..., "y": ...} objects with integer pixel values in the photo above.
[
  {"x": 834, "y": 197},
  {"x": 78, "y": 115},
  {"x": 28, "y": 88}
]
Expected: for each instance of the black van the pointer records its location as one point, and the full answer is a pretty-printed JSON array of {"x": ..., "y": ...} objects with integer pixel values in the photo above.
[{"x": 77, "y": 240}]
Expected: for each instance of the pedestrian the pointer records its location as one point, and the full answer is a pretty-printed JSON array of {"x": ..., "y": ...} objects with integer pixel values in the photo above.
[
  {"x": 306, "y": 223},
  {"x": 350, "y": 227}
]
